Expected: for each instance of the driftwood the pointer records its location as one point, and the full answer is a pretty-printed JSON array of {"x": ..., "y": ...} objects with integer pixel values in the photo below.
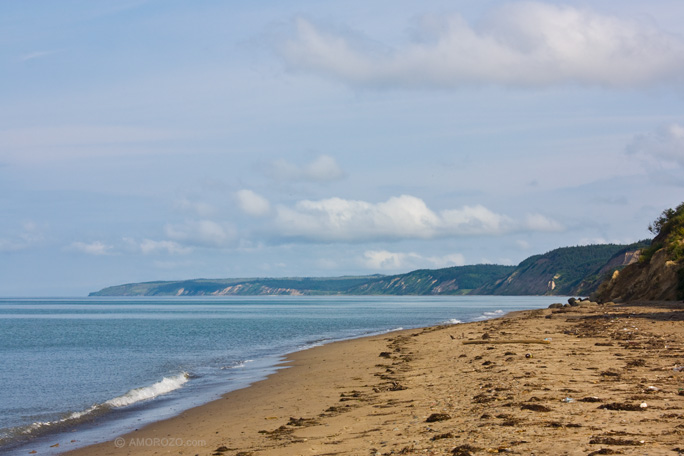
[{"x": 512, "y": 341}]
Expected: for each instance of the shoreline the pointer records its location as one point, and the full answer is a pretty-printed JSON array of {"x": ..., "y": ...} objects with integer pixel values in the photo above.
[{"x": 424, "y": 391}]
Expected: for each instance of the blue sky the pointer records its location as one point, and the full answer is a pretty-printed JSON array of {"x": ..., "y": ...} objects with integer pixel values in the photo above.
[{"x": 159, "y": 140}]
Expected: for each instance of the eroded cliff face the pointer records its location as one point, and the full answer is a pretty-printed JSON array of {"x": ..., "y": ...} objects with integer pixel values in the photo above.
[{"x": 656, "y": 280}]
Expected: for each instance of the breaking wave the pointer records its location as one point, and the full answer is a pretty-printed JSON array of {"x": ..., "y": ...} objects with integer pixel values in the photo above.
[{"x": 164, "y": 386}]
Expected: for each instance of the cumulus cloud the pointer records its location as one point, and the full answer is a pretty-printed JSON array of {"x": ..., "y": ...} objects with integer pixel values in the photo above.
[
  {"x": 205, "y": 233},
  {"x": 92, "y": 248},
  {"x": 402, "y": 217},
  {"x": 252, "y": 203},
  {"x": 664, "y": 145},
  {"x": 385, "y": 260},
  {"x": 322, "y": 169},
  {"x": 517, "y": 44}
]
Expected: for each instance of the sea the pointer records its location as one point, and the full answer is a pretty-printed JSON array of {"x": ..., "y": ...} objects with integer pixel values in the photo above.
[{"x": 78, "y": 371}]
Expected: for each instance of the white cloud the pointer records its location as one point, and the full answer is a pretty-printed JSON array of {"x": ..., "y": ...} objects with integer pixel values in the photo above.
[
  {"x": 92, "y": 248},
  {"x": 322, "y": 169},
  {"x": 664, "y": 145},
  {"x": 252, "y": 203},
  {"x": 403, "y": 217},
  {"x": 518, "y": 44},
  {"x": 37, "y": 55},
  {"x": 523, "y": 244},
  {"x": 201, "y": 232},
  {"x": 29, "y": 235},
  {"x": 538, "y": 222},
  {"x": 385, "y": 260},
  {"x": 149, "y": 247},
  {"x": 197, "y": 207},
  {"x": 51, "y": 143}
]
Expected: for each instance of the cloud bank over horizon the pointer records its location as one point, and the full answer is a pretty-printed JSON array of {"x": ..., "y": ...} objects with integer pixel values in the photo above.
[{"x": 518, "y": 44}]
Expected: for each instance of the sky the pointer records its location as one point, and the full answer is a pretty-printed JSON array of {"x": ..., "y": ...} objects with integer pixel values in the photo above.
[{"x": 164, "y": 140}]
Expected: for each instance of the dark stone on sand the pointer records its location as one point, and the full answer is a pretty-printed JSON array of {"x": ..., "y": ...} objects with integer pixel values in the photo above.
[
  {"x": 535, "y": 407},
  {"x": 556, "y": 305},
  {"x": 572, "y": 301},
  {"x": 438, "y": 417},
  {"x": 385, "y": 355}
]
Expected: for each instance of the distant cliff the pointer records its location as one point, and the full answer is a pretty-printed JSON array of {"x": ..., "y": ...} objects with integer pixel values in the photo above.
[
  {"x": 447, "y": 281},
  {"x": 659, "y": 272},
  {"x": 568, "y": 271},
  {"x": 564, "y": 271}
]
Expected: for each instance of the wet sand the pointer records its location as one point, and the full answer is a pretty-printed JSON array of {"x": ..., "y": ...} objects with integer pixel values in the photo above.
[{"x": 571, "y": 381}]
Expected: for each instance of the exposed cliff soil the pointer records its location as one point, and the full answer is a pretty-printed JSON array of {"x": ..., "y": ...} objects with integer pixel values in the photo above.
[{"x": 657, "y": 279}]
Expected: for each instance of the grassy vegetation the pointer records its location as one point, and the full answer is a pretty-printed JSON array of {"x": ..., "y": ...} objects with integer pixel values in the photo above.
[{"x": 668, "y": 229}]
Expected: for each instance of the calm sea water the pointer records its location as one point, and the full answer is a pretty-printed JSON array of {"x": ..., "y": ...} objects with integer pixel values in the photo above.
[{"x": 79, "y": 371}]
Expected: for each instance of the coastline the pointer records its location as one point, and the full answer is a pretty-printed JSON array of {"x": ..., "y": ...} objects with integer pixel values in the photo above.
[{"x": 424, "y": 391}]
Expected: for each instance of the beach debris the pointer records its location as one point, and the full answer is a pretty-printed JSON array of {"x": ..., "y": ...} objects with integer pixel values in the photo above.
[
  {"x": 643, "y": 405},
  {"x": 511, "y": 341},
  {"x": 302, "y": 422},
  {"x": 568, "y": 400},
  {"x": 438, "y": 417},
  {"x": 447, "y": 435},
  {"x": 678, "y": 368},
  {"x": 535, "y": 407},
  {"x": 464, "y": 450},
  {"x": 277, "y": 434},
  {"x": 609, "y": 374},
  {"x": 621, "y": 406},
  {"x": 614, "y": 441},
  {"x": 636, "y": 363},
  {"x": 55, "y": 445},
  {"x": 602, "y": 451},
  {"x": 528, "y": 355}
]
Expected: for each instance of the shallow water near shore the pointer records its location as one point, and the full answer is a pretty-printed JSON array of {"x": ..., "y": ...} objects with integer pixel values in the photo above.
[{"x": 97, "y": 367}]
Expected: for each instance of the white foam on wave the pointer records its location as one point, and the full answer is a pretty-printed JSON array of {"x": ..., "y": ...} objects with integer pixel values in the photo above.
[
  {"x": 491, "y": 314},
  {"x": 164, "y": 386},
  {"x": 237, "y": 365},
  {"x": 494, "y": 313},
  {"x": 453, "y": 321}
]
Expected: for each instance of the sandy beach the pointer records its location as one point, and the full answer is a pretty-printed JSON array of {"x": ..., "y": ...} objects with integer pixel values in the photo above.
[{"x": 570, "y": 381}]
